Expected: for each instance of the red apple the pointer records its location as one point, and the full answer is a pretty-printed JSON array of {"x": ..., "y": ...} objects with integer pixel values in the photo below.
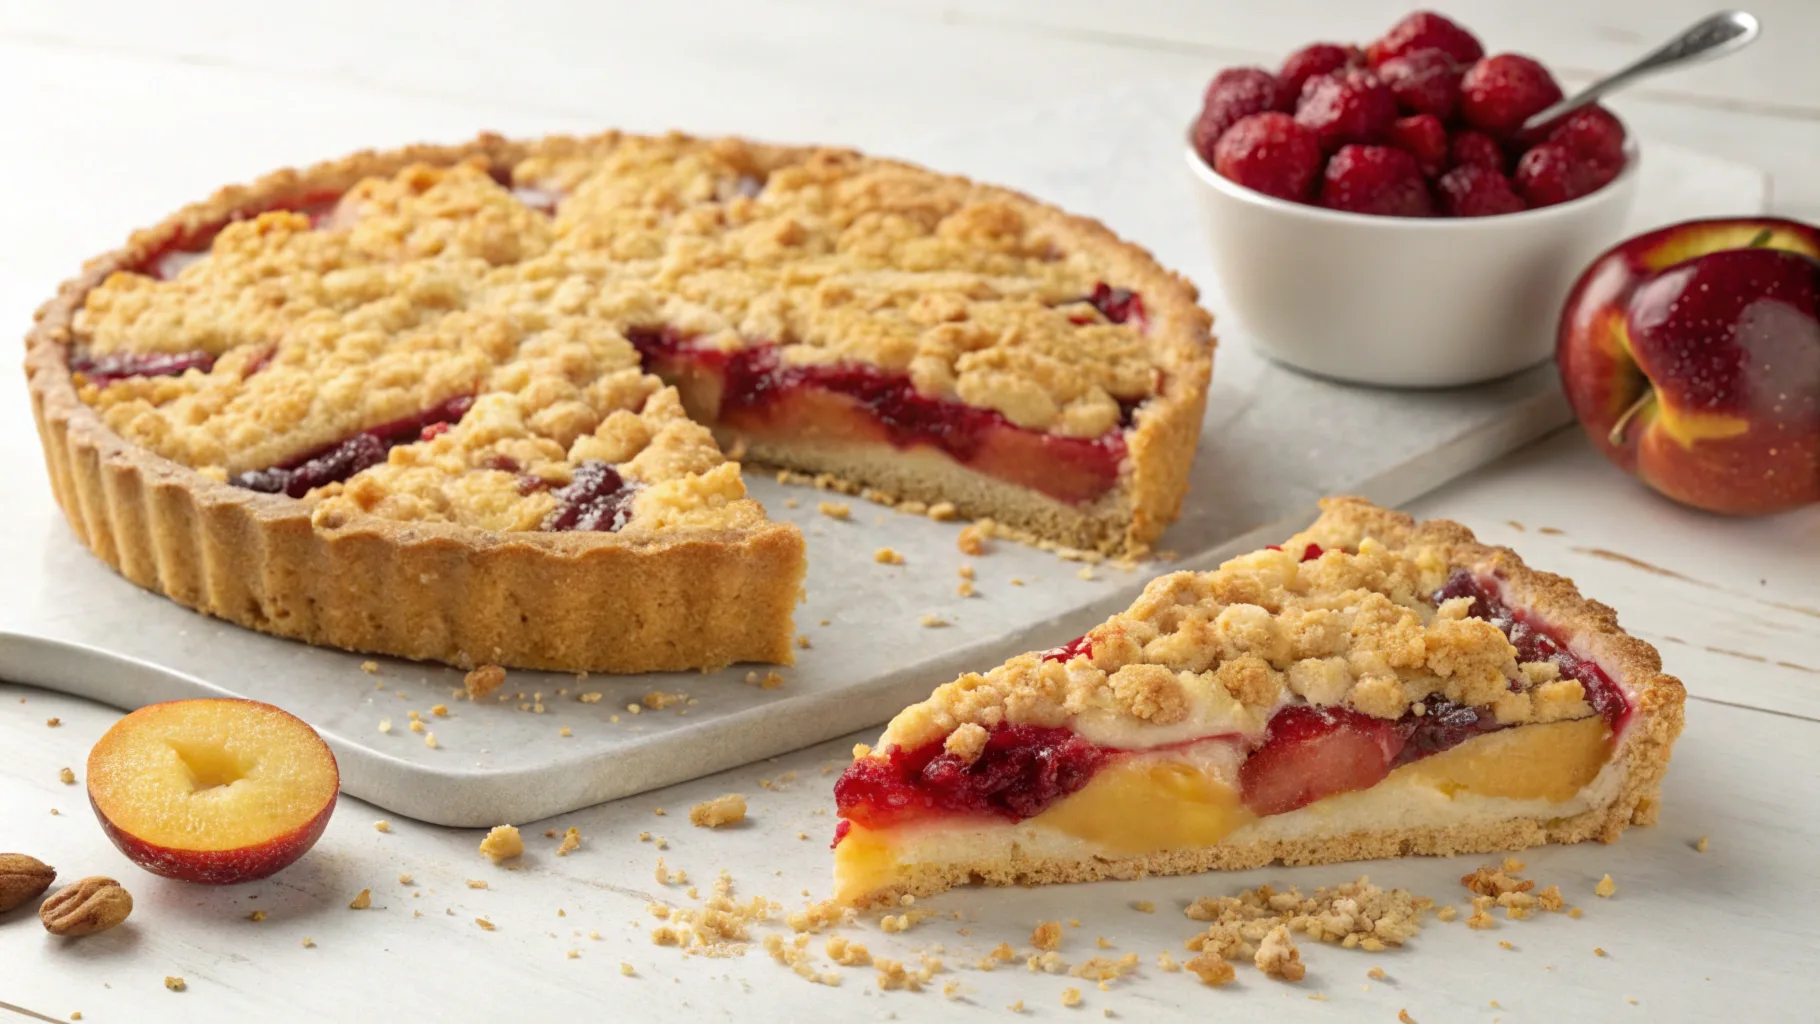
[
  {"x": 215, "y": 791},
  {"x": 1691, "y": 355}
]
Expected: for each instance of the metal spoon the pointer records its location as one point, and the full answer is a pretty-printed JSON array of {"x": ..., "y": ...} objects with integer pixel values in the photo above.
[{"x": 1715, "y": 36}]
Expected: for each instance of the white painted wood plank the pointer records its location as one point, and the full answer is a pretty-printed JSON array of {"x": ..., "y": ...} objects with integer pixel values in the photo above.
[
  {"x": 1577, "y": 39},
  {"x": 800, "y": 69},
  {"x": 387, "y": 963}
]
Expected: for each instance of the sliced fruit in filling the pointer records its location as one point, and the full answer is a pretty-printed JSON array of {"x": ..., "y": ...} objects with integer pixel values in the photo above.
[
  {"x": 364, "y": 450},
  {"x": 1377, "y": 687},
  {"x": 753, "y": 392},
  {"x": 106, "y": 369}
]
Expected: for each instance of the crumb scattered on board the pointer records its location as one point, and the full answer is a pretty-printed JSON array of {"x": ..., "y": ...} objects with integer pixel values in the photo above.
[{"x": 483, "y": 680}]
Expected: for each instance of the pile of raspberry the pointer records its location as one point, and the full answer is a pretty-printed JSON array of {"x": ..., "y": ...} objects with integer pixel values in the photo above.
[{"x": 1419, "y": 123}]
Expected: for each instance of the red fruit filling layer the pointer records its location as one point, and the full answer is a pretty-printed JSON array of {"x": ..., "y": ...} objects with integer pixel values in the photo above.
[
  {"x": 596, "y": 498},
  {"x": 1022, "y": 770},
  {"x": 759, "y": 394},
  {"x": 343, "y": 459},
  {"x": 106, "y": 369},
  {"x": 1308, "y": 753}
]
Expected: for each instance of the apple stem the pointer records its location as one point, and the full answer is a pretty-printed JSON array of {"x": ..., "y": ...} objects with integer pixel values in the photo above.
[
  {"x": 1616, "y": 437},
  {"x": 1762, "y": 239}
]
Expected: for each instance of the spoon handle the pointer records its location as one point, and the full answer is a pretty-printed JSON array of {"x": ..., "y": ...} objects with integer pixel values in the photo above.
[{"x": 1714, "y": 36}]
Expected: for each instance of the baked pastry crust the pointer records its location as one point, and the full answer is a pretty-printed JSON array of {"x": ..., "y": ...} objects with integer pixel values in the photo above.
[
  {"x": 1023, "y": 693},
  {"x": 680, "y": 598}
]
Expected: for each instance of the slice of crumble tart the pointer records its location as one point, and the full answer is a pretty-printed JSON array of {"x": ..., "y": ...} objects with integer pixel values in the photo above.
[{"x": 1374, "y": 687}]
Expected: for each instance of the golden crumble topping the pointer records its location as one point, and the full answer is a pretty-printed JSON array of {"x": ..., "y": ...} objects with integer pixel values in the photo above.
[
  {"x": 442, "y": 283},
  {"x": 1353, "y": 627}
]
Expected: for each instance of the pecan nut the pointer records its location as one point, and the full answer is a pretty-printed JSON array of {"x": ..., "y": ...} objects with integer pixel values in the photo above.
[
  {"x": 92, "y": 905},
  {"x": 22, "y": 879}
]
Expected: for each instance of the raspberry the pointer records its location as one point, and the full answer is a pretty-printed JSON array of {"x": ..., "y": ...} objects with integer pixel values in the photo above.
[
  {"x": 1375, "y": 179},
  {"x": 1470, "y": 148},
  {"x": 1424, "y": 82},
  {"x": 1233, "y": 94},
  {"x": 1594, "y": 133},
  {"x": 1316, "y": 59},
  {"x": 1346, "y": 106},
  {"x": 1551, "y": 173},
  {"x": 1423, "y": 137},
  {"x": 1424, "y": 30},
  {"x": 1474, "y": 191},
  {"x": 1499, "y": 93},
  {"x": 1270, "y": 152}
]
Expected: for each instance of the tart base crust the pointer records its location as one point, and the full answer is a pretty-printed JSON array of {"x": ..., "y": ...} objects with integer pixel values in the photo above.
[{"x": 464, "y": 596}]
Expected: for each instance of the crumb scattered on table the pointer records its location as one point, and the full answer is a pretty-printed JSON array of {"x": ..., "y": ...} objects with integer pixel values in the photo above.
[
  {"x": 571, "y": 841},
  {"x": 502, "y": 843},
  {"x": 1047, "y": 935},
  {"x": 722, "y": 810},
  {"x": 1278, "y": 957}
]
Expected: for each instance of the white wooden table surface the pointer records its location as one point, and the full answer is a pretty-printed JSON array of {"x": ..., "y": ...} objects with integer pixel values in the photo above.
[{"x": 116, "y": 113}]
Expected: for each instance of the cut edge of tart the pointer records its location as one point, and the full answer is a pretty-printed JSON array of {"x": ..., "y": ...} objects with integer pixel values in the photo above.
[
  {"x": 1375, "y": 687},
  {"x": 236, "y": 543}
]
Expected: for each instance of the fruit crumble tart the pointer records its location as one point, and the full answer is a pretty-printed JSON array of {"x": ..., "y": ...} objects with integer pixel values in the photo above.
[
  {"x": 1373, "y": 687},
  {"x": 469, "y": 404}
]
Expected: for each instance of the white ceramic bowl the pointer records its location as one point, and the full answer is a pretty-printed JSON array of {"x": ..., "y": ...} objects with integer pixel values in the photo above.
[{"x": 1402, "y": 301}]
